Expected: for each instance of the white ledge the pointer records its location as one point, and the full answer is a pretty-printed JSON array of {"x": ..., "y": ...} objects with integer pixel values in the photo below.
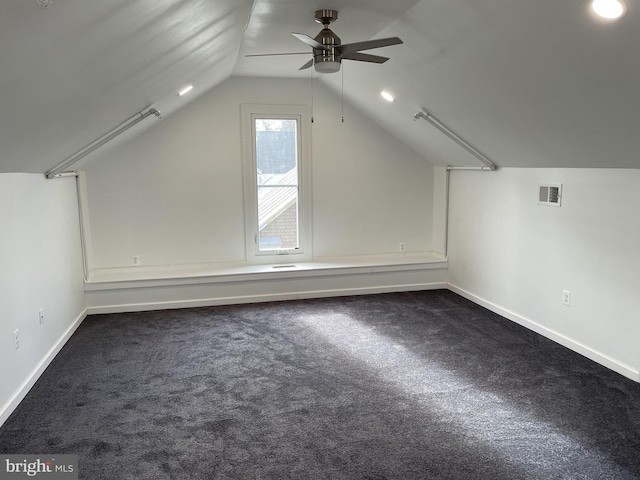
[{"x": 152, "y": 276}]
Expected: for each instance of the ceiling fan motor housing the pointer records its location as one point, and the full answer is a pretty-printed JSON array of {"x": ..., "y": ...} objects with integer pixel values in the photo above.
[{"x": 327, "y": 61}]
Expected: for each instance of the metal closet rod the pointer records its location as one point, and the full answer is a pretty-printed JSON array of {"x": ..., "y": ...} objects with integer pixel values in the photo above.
[
  {"x": 488, "y": 164},
  {"x": 58, "y": 170}
]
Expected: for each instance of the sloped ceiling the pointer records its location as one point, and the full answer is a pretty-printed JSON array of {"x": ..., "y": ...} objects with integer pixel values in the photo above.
[
  {"x": 528, "y": 83},
  {"x": 73, "y": 71}
]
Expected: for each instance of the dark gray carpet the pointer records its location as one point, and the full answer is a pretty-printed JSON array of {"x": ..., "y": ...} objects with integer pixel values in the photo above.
[{"x": 421, "y": 385}]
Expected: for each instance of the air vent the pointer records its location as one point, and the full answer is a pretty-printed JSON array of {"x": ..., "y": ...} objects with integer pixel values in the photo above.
[{"x": 550, "y": 195}]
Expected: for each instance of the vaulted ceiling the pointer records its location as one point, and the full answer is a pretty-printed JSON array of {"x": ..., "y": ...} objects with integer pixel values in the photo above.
[{"x": 528, "y": 83}]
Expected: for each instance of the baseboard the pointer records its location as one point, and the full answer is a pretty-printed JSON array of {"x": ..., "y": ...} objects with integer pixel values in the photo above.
[
  {"x": 598, "y": 357},
  {"x": 273, "y": 297},
  {"x": 8, "y": 408}
]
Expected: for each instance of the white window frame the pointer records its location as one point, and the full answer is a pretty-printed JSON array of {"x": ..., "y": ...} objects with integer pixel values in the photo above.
[{"x": 301, "y": 113}]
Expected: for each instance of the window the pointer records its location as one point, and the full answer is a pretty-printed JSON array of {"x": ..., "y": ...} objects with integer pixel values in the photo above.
[
  {"x": 276, "y": 181},
  {"x": 276, "y": 152}
]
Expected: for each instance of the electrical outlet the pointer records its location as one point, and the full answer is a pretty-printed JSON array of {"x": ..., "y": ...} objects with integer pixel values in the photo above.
[
  {"x": 566, "y": 297},
  {"x": 41, "y": 316},
  {"x": 135, "y": 260},
  {"x": 16, "y": 338},
  {"x": 402, "y": 247}
]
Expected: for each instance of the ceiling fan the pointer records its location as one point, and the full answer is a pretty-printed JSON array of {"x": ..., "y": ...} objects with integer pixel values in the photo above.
[{"x": 328, "y": 52}]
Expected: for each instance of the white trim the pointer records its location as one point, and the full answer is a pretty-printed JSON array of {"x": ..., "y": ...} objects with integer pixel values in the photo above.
[
  {"x": 85, "y": 225},
  {"x": 200, "y": 274},
  {"x": 598, "y": 357},
  {"x": 275, "y": 297},
  {"x": 301, "y": 113},
  {"x": 489, "y": 165},
  {"x": 111, "y": 292},
  {"x": 99, "y": 142},
  {"x": 26, "y": 385}
]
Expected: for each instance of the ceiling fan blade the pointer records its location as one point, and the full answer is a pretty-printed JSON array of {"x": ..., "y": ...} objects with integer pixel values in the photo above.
[
  {"x": 275, "y": 54},
  {"x": 306, "y": 65},
  {"x": 367, "y": 45},
  {"x": 364, "y": 57},
  {"x": 309, "y": 41}
]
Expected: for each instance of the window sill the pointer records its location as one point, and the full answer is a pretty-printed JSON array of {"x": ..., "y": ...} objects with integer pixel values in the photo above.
[{"x": 171, "y": 275}]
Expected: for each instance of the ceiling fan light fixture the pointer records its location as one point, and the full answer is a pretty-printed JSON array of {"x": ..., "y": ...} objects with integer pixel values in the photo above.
[
  {"x": 326, "y": 65},
  {"x": 609, "y": 9}
]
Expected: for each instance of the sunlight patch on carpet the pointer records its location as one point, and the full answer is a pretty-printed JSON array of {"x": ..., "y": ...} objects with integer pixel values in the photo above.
[{"x": 481, "y": 417}]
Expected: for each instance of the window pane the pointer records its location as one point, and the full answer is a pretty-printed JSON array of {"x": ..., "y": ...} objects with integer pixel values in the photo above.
[
  {"x": 277, "y": 183},
  {"x": 278, "y": 218},
  {"x": 276, "y": 149}
]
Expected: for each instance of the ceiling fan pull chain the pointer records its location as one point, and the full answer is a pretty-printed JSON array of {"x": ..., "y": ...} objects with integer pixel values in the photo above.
[
  {"x": 312, "y": 119},
  {"x": 342, "y": 94}
]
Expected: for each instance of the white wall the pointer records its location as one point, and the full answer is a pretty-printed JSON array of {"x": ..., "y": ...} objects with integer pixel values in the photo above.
[
  {"x": 516, "y": 257},
  {"x": 174, "y": 194},
  {"x": 41, "y": 267}
]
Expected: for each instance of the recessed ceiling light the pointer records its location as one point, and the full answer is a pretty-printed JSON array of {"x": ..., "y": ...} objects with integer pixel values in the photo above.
[
  {"x": 387, "y": 96},
  {"x": 609, "y": 9},
  {"x": 185, "y": 90}
]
